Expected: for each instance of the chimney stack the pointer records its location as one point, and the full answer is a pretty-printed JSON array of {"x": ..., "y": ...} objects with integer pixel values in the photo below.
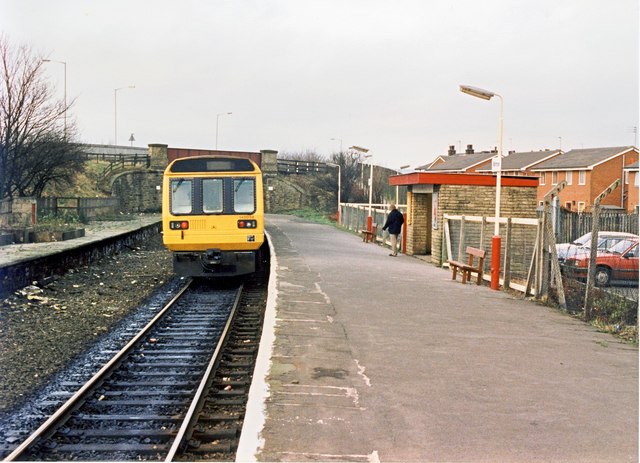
[
  {"x": 469, "y": 149},
  {"x": 452, "y": 150}
]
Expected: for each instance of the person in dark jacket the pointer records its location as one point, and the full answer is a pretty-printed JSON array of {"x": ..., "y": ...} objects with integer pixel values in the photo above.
[{"x": 394, "y": 224}]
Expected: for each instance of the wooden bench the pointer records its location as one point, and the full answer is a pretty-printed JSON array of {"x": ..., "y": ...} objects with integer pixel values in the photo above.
[
  {"x": 370, "y": 235},
  {"x": 467, "y": 269}
]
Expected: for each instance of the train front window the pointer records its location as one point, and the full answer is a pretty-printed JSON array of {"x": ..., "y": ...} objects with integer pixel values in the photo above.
[
  {"x": 181, "y": 196},
  {"x": 212, "y": 195},
  {"x": 244, "y": 198}
]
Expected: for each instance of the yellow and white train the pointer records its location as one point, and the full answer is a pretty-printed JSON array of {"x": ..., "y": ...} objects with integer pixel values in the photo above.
[{"x": 213, "y": 215}]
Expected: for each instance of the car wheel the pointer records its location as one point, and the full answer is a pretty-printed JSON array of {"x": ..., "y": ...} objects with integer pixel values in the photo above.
[{"x": 603, "y": 276}]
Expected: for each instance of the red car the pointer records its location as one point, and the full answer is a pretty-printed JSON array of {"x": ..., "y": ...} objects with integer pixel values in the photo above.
[{"x": 619, "y": 262}]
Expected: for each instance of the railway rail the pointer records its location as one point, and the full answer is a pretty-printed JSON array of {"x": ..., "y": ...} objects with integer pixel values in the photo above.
[{"x": 176, "y": 391}]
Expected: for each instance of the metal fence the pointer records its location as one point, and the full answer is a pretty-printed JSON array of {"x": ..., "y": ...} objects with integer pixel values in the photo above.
[
  {"x": 84, "y": 208},
  {"x": 569, "y": 225},
  {"x": 354, "y": 216}
]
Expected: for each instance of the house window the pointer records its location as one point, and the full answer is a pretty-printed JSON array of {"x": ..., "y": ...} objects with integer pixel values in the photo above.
[
  {"x": 543, "y": 178},
  {"x": 626, "y": 177},
  {"x": 636, "y": 180},
  {"x": 582, "y": 177},
  {"x": 567, "y": 205},
  {"x": 540, "y": 203},
  {"x": 581, "y": 205},
  {"x": 554, "y": 178},
  {"x": 568, "y": 176}
]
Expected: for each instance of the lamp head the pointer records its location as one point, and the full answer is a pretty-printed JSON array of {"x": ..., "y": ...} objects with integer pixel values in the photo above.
[
  {"x": 358, "y": 148},
  {"x": 477, "y": 92}
]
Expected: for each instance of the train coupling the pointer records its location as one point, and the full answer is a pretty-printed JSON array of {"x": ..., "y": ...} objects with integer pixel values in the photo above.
[{"x": 213, "y": 256}]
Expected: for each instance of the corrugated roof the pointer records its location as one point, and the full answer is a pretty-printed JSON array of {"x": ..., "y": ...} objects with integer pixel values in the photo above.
[
  {"x": 518, "y": 161},
  {"x": 581, "y": 159},
  {"x": 460, "y": 162}
]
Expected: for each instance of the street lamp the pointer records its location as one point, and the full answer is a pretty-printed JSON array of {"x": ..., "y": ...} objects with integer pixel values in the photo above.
[
  {"x": 364, "y": 151},
  {"x": 65, "y": 91},
  {"x": 495, "y": 241},
  {"x": 406, "y": 166},
  {"x": 217, "y": 120},
  {"x": 339, "y": 186},
  {"x": 115, "y": 112}
]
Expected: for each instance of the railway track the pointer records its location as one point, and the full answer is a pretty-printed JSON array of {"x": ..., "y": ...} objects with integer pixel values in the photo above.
[{"x": 176, "y": 391}]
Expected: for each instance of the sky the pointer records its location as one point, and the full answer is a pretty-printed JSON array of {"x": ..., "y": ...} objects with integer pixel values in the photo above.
[{"x": 317, "y": 76}]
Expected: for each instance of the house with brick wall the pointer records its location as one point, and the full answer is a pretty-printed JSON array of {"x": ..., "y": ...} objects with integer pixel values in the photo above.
[
  {"x": 519, "y": 163},
  {"x": 458, "y": 163},
  {"x": 588, "y": 172},
  {"x": 632, "y": 186}
]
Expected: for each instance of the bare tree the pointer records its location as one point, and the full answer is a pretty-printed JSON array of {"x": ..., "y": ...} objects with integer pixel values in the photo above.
[{"x": 35, "y": 147}]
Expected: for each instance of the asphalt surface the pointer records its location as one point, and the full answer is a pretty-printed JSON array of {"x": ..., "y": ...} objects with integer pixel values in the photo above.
[{"x": 378, "y": 358}]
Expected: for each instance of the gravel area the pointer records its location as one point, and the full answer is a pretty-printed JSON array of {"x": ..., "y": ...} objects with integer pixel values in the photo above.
[{"x": 43, "y": 329}]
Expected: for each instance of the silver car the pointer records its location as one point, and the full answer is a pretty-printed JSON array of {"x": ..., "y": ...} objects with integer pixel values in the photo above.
[{"x": 582, "y": 245}]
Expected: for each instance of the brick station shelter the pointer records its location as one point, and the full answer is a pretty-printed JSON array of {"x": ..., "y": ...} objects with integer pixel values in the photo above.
[{"x": 431, "y": 195}]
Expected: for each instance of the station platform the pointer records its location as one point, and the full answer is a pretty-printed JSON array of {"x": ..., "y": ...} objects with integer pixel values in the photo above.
[
  {"x": 367, "y": 357},
  {"x": 94, "y": 231}
]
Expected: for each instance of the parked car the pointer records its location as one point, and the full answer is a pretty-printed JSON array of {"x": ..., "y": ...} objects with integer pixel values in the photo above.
[
  {"x": 581, "y": 246},
  {"x": 619, "y": 262}
]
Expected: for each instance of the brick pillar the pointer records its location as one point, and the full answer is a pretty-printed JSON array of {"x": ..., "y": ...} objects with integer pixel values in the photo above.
[{"x": 158, "y": 156}]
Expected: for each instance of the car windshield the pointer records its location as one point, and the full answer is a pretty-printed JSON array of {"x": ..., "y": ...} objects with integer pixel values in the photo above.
[
  {"x": 621, "y": 246},
  {"x": 584, "y": 240}
]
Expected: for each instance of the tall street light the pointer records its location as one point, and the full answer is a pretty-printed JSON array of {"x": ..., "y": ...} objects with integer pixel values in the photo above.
[
  {"x": 495, "y": 241},
  {"x": 115, "y": 111},
  {"x": 65, "y": 91},
  {"x": 217, "y": 120},
  {"x": 339, "y": 186},
  {"x": 364, "y": 151}
]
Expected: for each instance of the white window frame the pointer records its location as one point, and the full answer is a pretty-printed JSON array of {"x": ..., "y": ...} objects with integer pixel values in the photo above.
[
  {"x": 568, "y": 176},
  {"x": 581, "y": 206},
  {"x": 582, "y": 177},
  {"x": 543, "y": 178},
  {"x": 554, "y": 177},
  {"x": 567, "y": 205},
  {"x": 626, "y": 177},
  {"x": 636, "y": 180}
]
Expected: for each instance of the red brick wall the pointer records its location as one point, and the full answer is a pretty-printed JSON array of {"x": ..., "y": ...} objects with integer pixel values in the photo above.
[{"x": 596, "y": 182}]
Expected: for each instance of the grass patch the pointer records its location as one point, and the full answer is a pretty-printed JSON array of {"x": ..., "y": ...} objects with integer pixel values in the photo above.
[{"x": 314, "y": 216}]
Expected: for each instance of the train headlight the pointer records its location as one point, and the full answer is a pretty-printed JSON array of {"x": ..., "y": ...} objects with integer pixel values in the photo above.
[
  {"x": 247, "y": 224},
  {"x": 179, "y": 225}
]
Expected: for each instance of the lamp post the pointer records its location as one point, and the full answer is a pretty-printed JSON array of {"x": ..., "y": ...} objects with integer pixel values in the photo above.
[
  {"x": 495, "y": 240},
  {"x": 65, "y": 91},
  {"x": 364, "y": 151},
  {"x": 115, "y": 112},
  {"x": 217, "y": 121},
  {"x": 339, "y": 186},
  {"x": 406, "y": 166}
]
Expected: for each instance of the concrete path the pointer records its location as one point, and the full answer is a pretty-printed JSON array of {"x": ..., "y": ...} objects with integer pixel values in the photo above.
[{"x": 376, "y": 358}]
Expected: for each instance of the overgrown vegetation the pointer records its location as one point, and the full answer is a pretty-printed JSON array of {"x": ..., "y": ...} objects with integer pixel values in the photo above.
[
  {"x": 314, "y": 216},
  {"x": 612, "y": 312},
  {"x": 36, "y": 136}
]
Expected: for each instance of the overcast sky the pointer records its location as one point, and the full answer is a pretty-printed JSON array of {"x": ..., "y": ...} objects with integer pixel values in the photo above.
[{"x": 379, "y": 74}]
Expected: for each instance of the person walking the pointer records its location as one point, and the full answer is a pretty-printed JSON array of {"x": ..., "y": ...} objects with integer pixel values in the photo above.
[{"x": 394, "y": 224}]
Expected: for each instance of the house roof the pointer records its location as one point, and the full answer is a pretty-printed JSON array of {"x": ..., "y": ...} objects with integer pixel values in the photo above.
[
  {"x": 522, "y": 161},
  {"x": 633, "y": 166},
  {"x": 585, "y": 159},
  {"x": 458, "y": 162}
]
